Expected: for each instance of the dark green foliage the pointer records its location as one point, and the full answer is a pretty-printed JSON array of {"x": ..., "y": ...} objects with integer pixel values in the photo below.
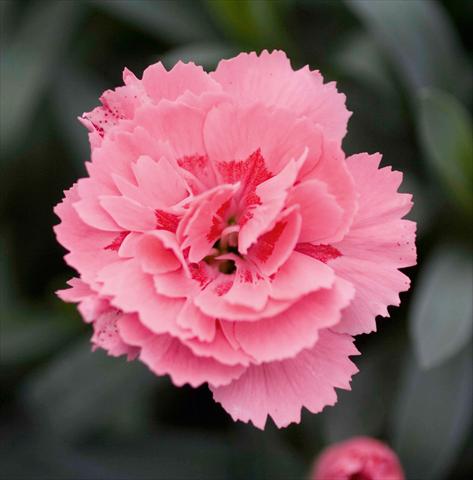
[{"x": 67, "y": 413}]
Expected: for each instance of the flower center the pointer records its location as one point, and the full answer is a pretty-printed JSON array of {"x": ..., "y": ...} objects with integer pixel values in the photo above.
[
  {"x": 225, "y": 246},
  {"x": 359, "y": 476}
]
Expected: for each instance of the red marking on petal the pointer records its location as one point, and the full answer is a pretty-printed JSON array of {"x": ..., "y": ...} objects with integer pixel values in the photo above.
[
  {"x": 194, "y": 164},
  {"x": 198, "y": 166},
  {"x": 223, "y": 288},
  {"x": 102, "y": 118},
  {"x": 255, "y": 172},
  {"x": 251, "y": 171},
  {"x": 166, "y": 221},
  {"x": 252, "y": 199},
  {"x": 265, "y": 245},
  {"x": 247, "y": 276},
  {"x": 248, "y": 215},
  {"x": 108, "y": 327},
  {"x": 323, "y": 253},
  {"x": 109, "y": 108},
  {"x": 199, "y": 273},
  {"x": 117, "y": 241},
  {"x": 215, "y": 229},
  {"x": 223, "y": 209},
  {"x": 217, "y": 221}
]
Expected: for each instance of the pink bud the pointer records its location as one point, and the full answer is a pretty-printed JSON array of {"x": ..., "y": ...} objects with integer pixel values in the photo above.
[{"x": 360, "y": 458}]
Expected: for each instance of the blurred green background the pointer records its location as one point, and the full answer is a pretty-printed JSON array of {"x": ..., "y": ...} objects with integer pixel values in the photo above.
[{"x": 69, "y": 414}]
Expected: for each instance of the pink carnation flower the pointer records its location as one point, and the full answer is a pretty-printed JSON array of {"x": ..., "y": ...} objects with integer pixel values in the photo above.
[
  {"x": 360, "y": 458},
  {"x": 222, "y": 237}
]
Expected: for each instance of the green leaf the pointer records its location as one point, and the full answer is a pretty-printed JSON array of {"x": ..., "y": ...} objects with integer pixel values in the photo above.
[
  {"x": 8, "y": 285},
  {"x": 183, "y": 454},
  {"x": 445, "y": 131},
  {"x": 253, "y": 24},
  {"x": 36, "y": 455},
  {"x": 176, "y": 22},
  {"x": 361, "y": 59},
  {"x": 28, "y": 334},
  {"x": 170, "y": 455},
  {"x": 6, "y": 14},
  {"x": 433, "y": 416},
  {"x": 420, "y": 41},
  {"x": 80, "y": 391},
  {"x": 441, "y": 312},
  {"x": 28, "y": 63},
  {"x": 258, "y": 454}
]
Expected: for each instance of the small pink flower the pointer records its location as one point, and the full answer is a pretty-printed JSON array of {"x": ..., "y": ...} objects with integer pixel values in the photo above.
[
  {"x": 360, "y": 458},
  {"x": 222, "y": 237}
]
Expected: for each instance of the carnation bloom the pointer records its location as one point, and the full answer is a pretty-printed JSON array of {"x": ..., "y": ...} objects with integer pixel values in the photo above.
[
  {"x": 360, "y": 458},
  {"x": 222, "y": 237}
]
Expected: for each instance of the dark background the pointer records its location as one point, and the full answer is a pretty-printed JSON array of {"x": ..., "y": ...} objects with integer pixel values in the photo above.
[{"x": 69, "y": 414}]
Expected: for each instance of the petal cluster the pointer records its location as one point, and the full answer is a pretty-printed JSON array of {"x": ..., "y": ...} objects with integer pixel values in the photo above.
[{"x": 222, "y": 237}]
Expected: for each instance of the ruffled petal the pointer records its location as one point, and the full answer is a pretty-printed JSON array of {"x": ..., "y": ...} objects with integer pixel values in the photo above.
[
  {"x": 249, "y": 288},
  {"x": 299, "y": 276},
  {"x": 132, "y": 291},
  {"x": 90, "y": 305},
  {"x": 128, "y": 214},
  {"x": 87, "y": 245},
  {"x": 270, "y": 79},
  {"x": 281, "y": 389},
  {"x": 218, "y": 348},
  {"x": 265, "y": 203},
  {"x": 158, "y": 252},
  {"x": 198, "y": 324},
  {"x": 205, "y": 221},
  {"x": 379, "y": 242},
  {"x": 77, "y": 291},
  {"x": 91, "y": 212},
  {"x": 278, "y": 134},
  {"x": 212, "y": 302},
  {"x": 274, "y": 247},
  {"x": 285, "y": 335},
  {"x": 320, "y": 212},
  {"x": 106, "y": 336},
  {"x": 175, "y": 284},
  {"x": 166, "y": 355},
  {"x": 183, "y": 77},
  {"x": 333, "y": 171},
  {"x": 177, "y": 124},
  {"x": 377, "y": 286},
  {"x": 159, "y": 181},
  {"x": 132, "y": 331},
  {"x": 117, "y": 105},
  {"x": 117, "y": 155}
]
